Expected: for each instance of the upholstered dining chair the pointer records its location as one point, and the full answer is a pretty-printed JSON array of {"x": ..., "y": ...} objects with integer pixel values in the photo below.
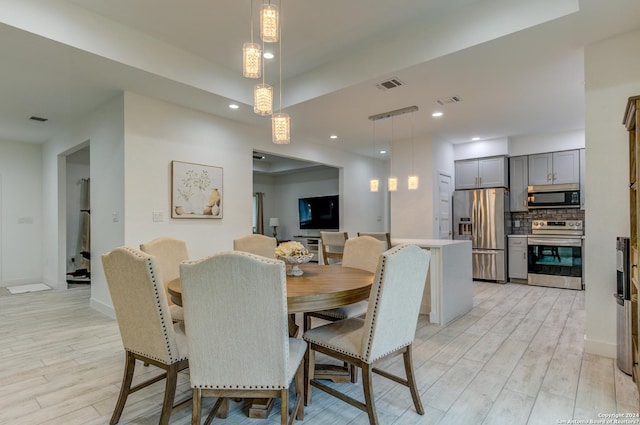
[
  {"x": 256, "y": 244},
  {"x": 383, "y": 236},
  {"x": 146, "y": 328},
  {"x": 363, "y": 253},
  {"x": 388, "y": 328},
  {"x": 235, "y": 306},
  {"x": 333, "y": 246},
  {"x": 169, "y": 252}
]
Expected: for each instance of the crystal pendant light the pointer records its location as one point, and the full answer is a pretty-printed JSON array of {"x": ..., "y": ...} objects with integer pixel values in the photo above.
[
  {"x": 251, "y": 55},
  {"x": 251, "y": 60},
  {"x": 263, "y": 99},
  {"x": 281, "y": 128},
  {"x": 280, "y": 122},
  {"x": 269, "y": 29}
]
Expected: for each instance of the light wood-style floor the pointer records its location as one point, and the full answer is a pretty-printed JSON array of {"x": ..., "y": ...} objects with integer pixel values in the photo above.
[{"x": 516, "y": 358}]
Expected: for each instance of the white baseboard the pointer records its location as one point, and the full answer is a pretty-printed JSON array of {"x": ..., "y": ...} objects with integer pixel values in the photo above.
[
  {"x": 103, "y": 308},
  {"x": 600, "y": 348}
]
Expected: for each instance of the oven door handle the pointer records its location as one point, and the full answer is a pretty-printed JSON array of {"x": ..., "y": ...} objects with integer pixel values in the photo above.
[{"x": 554, "y": 241}]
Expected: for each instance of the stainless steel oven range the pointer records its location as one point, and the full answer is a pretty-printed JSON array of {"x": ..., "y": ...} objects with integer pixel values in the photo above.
[{"x": 555, "y": 254}]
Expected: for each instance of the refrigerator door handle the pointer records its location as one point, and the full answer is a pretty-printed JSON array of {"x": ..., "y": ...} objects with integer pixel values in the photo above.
[{"x": 487, "y": 251}]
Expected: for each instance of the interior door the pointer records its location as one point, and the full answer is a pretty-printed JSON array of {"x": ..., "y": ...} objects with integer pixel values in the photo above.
[{"x": 444, "y": 206}]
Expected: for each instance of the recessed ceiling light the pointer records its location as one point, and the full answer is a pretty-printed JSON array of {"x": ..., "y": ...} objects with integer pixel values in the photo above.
[
  {"x": 382, "y": 152},
  {"x": 333, "y": 136},
  {"x": 437, "y": 114},
  {"x": 234, "y": 106},
  {"x": 268, "y": 55},
  {"x": 475, "y": 138}
]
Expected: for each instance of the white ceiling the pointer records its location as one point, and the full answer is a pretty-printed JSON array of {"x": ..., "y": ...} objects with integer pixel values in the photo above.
[{"x": 517, "y": 65}]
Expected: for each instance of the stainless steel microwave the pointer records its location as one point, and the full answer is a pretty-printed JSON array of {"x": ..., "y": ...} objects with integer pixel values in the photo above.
[{"x": 554, "y": 196}]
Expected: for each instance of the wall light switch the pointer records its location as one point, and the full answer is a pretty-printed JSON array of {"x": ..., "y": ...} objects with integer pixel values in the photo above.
[
  {"x": 158, "y": 216},
  {"x": 114, "y": 217},
  {"x": 516, "y": 223}
]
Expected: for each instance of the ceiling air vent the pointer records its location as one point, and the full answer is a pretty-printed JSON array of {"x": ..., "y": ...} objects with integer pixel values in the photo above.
[
  {"x": 449, "y": 100},
  {"x": 391, "y": 83}
]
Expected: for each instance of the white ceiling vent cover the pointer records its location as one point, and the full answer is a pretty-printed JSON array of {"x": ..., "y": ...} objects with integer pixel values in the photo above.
[
  {"x": 391, "y": 83},
  {"x": 449, "y": 100}
]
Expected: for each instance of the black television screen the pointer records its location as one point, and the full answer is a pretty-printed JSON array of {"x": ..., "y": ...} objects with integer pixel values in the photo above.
[{"x": 321, "y": 212}]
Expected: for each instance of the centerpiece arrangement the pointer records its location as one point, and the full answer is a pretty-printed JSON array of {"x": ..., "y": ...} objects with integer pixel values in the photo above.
[{"x": 293, "y": 253}]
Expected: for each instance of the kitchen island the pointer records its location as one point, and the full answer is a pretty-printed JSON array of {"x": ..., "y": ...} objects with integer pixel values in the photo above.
[{"x": 449, "y": 287}]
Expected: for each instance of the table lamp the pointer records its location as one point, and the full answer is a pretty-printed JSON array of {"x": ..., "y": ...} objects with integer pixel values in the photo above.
[{"x": 274, "y": 222}]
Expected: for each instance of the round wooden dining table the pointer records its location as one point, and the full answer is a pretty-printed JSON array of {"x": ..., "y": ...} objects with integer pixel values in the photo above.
[{"x": 319, "y": 288}]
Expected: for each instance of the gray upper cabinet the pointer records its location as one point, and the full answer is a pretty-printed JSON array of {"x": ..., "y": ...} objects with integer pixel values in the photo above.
[
  {"x": 518, "y": 182},
  {"x": 554, "y": 168},
  {"x": 481, "y": 173}
]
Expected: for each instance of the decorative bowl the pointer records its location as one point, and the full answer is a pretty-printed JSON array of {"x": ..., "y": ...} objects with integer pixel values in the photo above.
[{"x": 295, "y": 260}]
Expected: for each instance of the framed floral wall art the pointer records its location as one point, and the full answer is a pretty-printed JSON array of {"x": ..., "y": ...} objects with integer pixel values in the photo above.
[{"x": 196, "y": 190}]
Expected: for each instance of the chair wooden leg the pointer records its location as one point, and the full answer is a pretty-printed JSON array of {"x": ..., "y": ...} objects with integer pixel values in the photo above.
[
  {"x": 367, "y": 386},
  {"x": 169, "y": 394},
  {"x": 300, "y": 391},
  {"x": 220, "y": 408},
  {"x": 284, "y": 407},
  {"x": 411, "y": 380},
  {"x": 196, "y": 407},
  {"x": 306, "y": 319},
  {"x": 353, "y": 372},
  {"x": 224, "y": 409},
  {"x": 310, "y": 366},
  {"x": 127, "y": 378}
]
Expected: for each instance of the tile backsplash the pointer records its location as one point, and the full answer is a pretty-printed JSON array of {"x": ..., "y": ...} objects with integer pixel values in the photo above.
[{"x": 554, "y": 214}]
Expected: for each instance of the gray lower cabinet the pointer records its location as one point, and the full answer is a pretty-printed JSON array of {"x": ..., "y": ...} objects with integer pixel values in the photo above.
[{"x": 517, "y": 253}]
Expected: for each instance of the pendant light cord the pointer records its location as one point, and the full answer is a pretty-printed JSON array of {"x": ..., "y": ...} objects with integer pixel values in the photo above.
[{"x": 280, "y": 54}]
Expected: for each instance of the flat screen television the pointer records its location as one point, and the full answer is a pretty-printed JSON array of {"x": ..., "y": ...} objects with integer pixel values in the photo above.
[{"x": 320, "y": 212}]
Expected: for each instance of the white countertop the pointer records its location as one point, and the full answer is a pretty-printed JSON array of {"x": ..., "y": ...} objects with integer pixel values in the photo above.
[{"x": 427, "y": 243}]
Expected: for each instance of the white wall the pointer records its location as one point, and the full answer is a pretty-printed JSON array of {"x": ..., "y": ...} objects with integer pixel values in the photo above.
[
  {"x": 412, "y": 211},
  {"x": 21, "y": 213},
  {"x": 481, "y": 149},
  {"x": 103, "y": 128},
  {"x": 549, "y": 142},
  {"x": 612, "y": 75}
]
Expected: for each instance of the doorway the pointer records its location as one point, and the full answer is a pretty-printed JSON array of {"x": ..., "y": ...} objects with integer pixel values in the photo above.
[
  {"x": 78, "y": 217},
  {"x": 444, "y": 206}
]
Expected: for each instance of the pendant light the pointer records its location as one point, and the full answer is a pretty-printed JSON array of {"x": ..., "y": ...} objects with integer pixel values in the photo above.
[
  {"x": 251, "y": 56},
  {"x": 392, "y": 181},
  {"x": 263, "y": 99},
  {"x": 374, "y": 183},
  {"x": 263, "y": 95},
  {"x": 269, "y": 20},
  {"x": 280, "y": 122},
  {"x": 413, "y": 179}
]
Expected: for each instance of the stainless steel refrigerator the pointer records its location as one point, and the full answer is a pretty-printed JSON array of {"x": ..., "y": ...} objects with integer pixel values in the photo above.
[{"x": 482, "y": 216}]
